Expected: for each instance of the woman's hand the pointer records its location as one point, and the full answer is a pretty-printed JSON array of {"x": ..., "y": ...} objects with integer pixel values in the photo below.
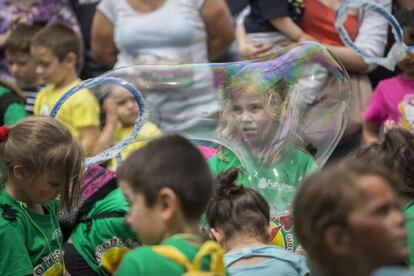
[{"x": 254, "y": 50}]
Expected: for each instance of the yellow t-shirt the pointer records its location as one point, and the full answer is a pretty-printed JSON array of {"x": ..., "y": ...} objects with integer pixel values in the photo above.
[
  {"x": 79, "y": 111},
  {"x": 147, "y": 132}
]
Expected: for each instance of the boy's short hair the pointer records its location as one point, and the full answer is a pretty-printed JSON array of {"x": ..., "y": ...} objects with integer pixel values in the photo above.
[
  {"x": 170, "y": 162},
  {"x": 326, "y": 199},
  {"x": 60, "y": 38},
  {"x": 21, "y": 35}
]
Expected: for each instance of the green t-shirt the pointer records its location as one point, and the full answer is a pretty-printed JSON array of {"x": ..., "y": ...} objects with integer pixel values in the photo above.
[
  {"x": 145, "y": 261},
  {"x": 409, "y": 223},
  {"x": 14, "y": 111},
  {"x": 277, "y": 184},
  {"x": 31, "y": 244},
  {"x": 278, "y": 181},
  {"x": 107, "y": 239}
]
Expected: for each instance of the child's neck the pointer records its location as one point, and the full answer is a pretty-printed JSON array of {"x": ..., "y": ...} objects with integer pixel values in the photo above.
[
  {"x": 240, "y": 241},
  {"x": 192, "y": 228},
  {"x": 69, "y": 78},
  {"x": 20, "y": 196}
]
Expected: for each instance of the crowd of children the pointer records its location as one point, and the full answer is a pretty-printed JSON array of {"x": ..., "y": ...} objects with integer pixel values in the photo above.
[{"x": 173, "y": 207}]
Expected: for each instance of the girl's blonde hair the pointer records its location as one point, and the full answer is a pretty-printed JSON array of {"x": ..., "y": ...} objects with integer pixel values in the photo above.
[
  {"x": 272, "y": 89},
  {"x": 43, "y": 145}
]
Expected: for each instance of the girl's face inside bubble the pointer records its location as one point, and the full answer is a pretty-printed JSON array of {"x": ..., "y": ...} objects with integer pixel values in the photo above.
[{"x": 251, "y": 118}]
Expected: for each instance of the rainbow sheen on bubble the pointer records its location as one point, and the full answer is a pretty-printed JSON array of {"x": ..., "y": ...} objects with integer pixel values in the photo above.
[{"x": 277, "y": 120}]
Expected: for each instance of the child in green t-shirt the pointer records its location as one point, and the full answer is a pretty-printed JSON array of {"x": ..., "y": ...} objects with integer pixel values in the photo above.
[
  {"x": 43, "y": 161},
  {"x": 168, "y": 184},
  {"x": 254, "y": 106}
]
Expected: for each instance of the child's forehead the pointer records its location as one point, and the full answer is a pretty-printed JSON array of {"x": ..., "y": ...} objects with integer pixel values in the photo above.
[
  {"x": 118, "y": 91},
  {"x": 42, "y": 51},
  {"x": 373, "y": 188},
  {"x": 248, "y": 92},
  {"x": 17, "y": 55}
]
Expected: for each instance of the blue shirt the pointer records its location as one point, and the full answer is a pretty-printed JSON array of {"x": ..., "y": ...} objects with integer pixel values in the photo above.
[{"x": 281, "y": 262}]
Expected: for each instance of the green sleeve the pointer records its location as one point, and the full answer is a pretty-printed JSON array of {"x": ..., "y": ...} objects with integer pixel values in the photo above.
[
  {"x": 14, "y": 258},
  {"x": 14, "y": 113},
  {"x": 409, "y": 224},
  {"x": 129, "y": 266}
]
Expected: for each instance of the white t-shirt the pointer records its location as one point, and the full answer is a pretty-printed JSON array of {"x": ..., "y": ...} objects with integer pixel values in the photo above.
[{"x": 172, "y": 34}]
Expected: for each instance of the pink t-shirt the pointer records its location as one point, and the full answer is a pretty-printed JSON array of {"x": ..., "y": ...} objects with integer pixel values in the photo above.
[{"x": 386, "y": 99}]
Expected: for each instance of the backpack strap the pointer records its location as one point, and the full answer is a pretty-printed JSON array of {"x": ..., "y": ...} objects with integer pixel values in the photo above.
[
  {"x": 98, "y": 195},
  {"x": 213, "y": 249},
  {"x": 88, "y": 220},
  {"x": 173, "y": 254},
  {"x": 209, "y": 248}
]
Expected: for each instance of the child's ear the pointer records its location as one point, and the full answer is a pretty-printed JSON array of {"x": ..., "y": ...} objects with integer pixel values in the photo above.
[
  {"x": 19, "y": 172},
  {"x": 337, "y": 240},
  {"x": 217, "y": 235},
  {"x": 168, "y": 203},
  {"x": 71, "y": 59}
]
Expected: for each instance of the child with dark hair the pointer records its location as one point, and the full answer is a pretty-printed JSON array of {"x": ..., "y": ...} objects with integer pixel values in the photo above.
[
  {"x": 43, "y": 162},
  {"x": 21, "y": 63},
  {"x": 168, "y": 184},
  {"x": 393, "y": 98},
  {"x": 396, "y": 152},
  {"x": 239, "y": 219},
  {"x": 56, "y": 48},
  {"x": 349, "y": 220}
]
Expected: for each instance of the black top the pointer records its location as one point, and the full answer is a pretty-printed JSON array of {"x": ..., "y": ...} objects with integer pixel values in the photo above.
[{"x": 261, "y": 11}]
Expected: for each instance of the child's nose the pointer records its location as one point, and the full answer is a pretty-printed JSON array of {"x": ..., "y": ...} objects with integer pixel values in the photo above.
[
  {"x": 132, "y": 104},
  {"x": 246, "y": 116},
  {"x": 14, "y": 68},
  {"x": 40, "y": 70}
]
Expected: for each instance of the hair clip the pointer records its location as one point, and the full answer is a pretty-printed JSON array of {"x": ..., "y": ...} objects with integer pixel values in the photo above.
[
  {"x": 4, "y": 133},
  {"x": 8, "y": 213}
]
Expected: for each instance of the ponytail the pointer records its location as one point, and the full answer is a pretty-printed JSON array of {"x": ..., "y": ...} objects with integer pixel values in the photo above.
[{"x": 235, "y": 208}]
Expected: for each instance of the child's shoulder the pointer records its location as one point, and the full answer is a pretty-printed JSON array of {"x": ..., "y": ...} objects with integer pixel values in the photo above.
[
  {"x": 388, "y": 83},
  {"x": 11, "y": 218},
  {"x": 138, "y": 261}
]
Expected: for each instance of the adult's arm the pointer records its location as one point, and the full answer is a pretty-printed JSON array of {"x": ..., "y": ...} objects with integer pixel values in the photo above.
[
  {"x": 371, "y": 38},
  {"x": 219, "y": 26},
  {"x": 103, "y": 46}
]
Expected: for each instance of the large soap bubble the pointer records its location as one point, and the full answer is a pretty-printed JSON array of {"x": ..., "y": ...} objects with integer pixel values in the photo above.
[{"x": 277, "y": 119}]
